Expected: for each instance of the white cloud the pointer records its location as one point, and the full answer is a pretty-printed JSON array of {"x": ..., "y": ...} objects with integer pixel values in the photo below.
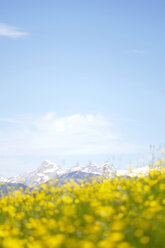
[
  {"x": 139, "y": 52},
  {"x": 50, "y": 135},
  {"x": 11, "y": 31}
]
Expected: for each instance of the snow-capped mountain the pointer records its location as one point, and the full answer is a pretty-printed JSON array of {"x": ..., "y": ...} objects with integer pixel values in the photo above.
[
  {"x": 94, "y": 168},
  {"x": 50, "y": 171},
  {"x": 46, "y": 171},
  {"x": 3, "y": 179},
  {"x": 133, "y": 172}
]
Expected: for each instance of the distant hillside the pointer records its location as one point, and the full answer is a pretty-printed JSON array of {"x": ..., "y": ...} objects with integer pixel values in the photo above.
[{"x": 6, "y": 188}]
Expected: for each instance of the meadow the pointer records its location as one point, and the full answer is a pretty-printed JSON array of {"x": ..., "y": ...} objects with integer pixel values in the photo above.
[{"x": 115, "y": 212}]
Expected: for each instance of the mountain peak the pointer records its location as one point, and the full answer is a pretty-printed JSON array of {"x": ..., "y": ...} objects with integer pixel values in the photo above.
[{"x": 50, "y": 170}]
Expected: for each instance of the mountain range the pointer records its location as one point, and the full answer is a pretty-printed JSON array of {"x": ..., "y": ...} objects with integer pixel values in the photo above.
[{"x": 51, "y": 171}]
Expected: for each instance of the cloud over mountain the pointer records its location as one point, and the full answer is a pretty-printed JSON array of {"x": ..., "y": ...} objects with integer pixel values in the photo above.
[
  {"x": 11, "y": 31},
  {"x": 70, "y": 135}
]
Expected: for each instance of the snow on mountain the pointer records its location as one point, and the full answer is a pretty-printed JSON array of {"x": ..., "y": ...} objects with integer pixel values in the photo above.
[
  {"x": 49, "y": 170},
  {"x": 122, "y": 173},
  {"x": 3, "y": 179},
  {"x": 141, "y": 170},
  {"x": 76, "y": 167},
  {"x": 46, "y": 171},
  {"x": 133, "y": 172},
  {"x": 14, "y": 179},
  {"x": 94, "y": 168},
  {"x": 102, "y": 169}
]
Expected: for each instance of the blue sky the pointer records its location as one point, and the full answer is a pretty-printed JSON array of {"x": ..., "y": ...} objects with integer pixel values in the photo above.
[{"x": 80, "y": 81}]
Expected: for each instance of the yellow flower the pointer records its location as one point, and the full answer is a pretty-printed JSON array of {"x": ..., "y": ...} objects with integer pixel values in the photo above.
[
  {"x": 138, "y": 233},
  {"x": 116, "y": 236},
  {"x": 56, "y": 240},
  {"x": 67, "y": 199},
  {"x": 144, "y": 240},
  {"x": 117, "y": 225},
  {"x": 86, "y": 244},
  {"x": 88, "y": 218},
  {"x": 124, "y": 245}
]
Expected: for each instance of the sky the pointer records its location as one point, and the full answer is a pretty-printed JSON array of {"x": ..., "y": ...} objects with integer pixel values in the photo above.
[{"x": 80, "y": 81}]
